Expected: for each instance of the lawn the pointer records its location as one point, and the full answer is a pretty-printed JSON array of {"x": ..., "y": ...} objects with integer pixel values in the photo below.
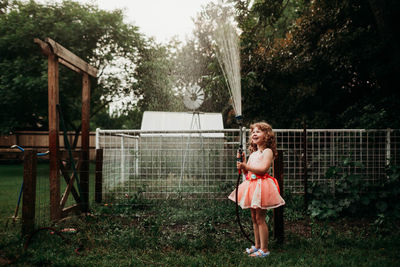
[
  {"x": 11, "y": 177},
  {"x": 198, "y": 233}
]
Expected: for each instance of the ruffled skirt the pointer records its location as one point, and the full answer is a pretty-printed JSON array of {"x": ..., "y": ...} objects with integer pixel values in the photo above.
[{"x": 258, "y": 193}]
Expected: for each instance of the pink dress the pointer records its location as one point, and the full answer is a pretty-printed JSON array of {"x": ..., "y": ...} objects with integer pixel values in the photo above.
[{"x": 258, "y": 191}]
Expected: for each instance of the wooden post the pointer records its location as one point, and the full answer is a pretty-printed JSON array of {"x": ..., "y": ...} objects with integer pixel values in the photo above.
[
  {"x": 99, "y": 176},
  {"x": 278, "y": 212},
  {"x": 29, "y": 192},
  {"x": 53, "y": 100},
  {"x": 84, "y": 174},
  {"x": 57, "y": 53}
]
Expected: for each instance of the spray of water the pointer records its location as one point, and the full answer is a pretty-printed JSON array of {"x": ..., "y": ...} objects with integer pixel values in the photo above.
[
  {"x": 227, "y": 51},
  {"x": 227, "y": 42}
]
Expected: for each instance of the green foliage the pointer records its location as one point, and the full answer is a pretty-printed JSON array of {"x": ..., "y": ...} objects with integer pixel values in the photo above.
[
  {"x": 294, "y": 206},
  {"x": 351, "y": 194},
  {"x": 330, "y": 200},
  {"x": 98, "y": 37},
  {"x": 385, "y": 197},
  {"x": 137, "y": 72},
  {"x": 195, "y": 62},
  {"x": 130, "y": 119},
  {"x": 155, "y": 81},
  {"x": 331, "y": 63}
]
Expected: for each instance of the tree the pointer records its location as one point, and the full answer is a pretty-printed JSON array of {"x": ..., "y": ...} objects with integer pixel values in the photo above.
[
  {"x": 333, "y": 66},
  {"x": 264, "y": 89},
  {"x": 196, "y": 62},
  {"x": 155, "y": 84},
  {"x": 99, "y": 37}
]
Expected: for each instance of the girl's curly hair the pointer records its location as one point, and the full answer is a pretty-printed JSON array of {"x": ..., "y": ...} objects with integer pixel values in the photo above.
[{"x": 269, "y": 141}]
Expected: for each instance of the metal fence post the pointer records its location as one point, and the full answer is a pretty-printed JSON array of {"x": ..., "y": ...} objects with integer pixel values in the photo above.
[
  {"x": 388, "y": 144},
  {"x": 305, "y": 174},
  {"x": 99, "y": 176}
]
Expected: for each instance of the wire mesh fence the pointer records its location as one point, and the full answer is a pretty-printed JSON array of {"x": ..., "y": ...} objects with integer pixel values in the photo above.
[
  {"x": 201, "y": 164},
  {"x": 70, "y": 194},
  {"x": 11, "y": 177},
  {"x": 196, "y": 164},
  {"x": 42, "y": 206},
  {"x": 11, "y": 193},
  {"x": 13, "y": 190},
  {"x": 372, "y": 149}
]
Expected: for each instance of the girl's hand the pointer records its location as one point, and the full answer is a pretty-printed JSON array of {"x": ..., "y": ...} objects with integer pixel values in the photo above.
[
  {"x": 242, "y": 158},
  {"x": 241, "y": 166},
  {"x": 241, "y": 162}
]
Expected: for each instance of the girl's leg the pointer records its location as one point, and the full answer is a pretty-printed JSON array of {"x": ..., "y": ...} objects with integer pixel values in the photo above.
[
  {"x": 257, "y": 243},
  {"x": 262, "y": 229}
]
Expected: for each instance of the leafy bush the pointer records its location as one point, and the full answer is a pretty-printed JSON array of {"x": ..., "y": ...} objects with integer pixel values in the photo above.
[
  {"x": 346, "y": 193},
  {"x": 294, "y": 207},
  {"x": 385, "y": 197},
  {"x": 387, "y": 194}
]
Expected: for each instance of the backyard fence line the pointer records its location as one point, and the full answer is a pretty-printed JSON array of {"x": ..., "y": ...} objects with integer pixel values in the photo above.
[
  {"x": 38, "y": 140},
  {"x": 201, "y": 163}
]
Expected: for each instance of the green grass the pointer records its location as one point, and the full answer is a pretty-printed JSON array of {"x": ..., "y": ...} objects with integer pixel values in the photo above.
[
  {"x": 10, "y": 183},
  {"x": 198, "y": 233},
  {"x": 11, "y": 177}
]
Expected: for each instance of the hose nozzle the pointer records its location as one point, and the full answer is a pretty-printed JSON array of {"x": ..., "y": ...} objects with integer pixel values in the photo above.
[{"x": 239, "y": 119}]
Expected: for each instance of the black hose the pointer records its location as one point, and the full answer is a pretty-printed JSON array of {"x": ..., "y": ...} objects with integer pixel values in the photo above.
[
  {"x": 237, "y": 211},
  {"x": 240, "y": 158}
]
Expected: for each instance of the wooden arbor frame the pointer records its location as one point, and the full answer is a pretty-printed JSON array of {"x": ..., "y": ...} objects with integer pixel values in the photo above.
[{"x": 56, "y": 54}]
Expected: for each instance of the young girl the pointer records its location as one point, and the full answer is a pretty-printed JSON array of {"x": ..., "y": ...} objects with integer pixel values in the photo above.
[{"x": 259, "y": 191}]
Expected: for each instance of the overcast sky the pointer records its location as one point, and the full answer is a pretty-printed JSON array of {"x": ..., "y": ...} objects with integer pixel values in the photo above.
[{"x": 161, "y": 19}]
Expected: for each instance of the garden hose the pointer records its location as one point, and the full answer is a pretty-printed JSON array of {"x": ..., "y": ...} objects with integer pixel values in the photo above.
[{"x": 240, "y": 158}]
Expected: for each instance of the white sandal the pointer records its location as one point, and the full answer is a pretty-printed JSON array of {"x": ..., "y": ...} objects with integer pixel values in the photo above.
[
  {"x": 260, "y": 254},
  {"x": 251, "y": 250}
]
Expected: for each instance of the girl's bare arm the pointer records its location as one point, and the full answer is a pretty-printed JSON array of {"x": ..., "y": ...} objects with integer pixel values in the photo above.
[{"x": 267, "y": 158}]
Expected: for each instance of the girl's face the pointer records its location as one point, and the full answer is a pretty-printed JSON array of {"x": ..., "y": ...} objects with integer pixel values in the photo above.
[{"x": 258, "y": 137}]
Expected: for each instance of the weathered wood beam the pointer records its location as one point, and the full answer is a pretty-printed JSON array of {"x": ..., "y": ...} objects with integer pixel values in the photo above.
[
  {"x": 84, "y": 173},
  {"x": 70, "y": 66},
  {"x": 66, "y": 211},
  {"x": 46, "y": 49},
  {"x": 66, "y": 57},
  {"x": 71, "y": 58},
  {"x": 70, "y": 185},
  {"x": 53, "y": 100}
]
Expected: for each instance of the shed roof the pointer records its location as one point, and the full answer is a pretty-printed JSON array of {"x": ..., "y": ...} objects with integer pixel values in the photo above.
[{"x": 178, "y": 121}]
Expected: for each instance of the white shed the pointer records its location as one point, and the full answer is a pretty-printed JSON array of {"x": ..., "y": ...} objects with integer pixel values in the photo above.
[
  {"x": 178, "y": 121},
  {"x": 185, "y": 158}
]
